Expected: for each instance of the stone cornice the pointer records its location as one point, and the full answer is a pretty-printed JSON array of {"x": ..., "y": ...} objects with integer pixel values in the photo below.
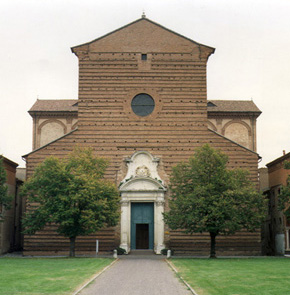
[
  {"x": 233, "y": 114},
  {"x": 53, "y": 114}
]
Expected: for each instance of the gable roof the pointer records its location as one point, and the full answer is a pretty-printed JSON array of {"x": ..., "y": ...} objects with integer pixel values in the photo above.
[
  {"x": 54, "y": 105},
  {"x": 236, "y": 106},
  {"x": 8, "y": 161},
  {"x": 71, "y": 105},
  {"x": 142, "y": 19},
  {"x": 278, "y": 160}
]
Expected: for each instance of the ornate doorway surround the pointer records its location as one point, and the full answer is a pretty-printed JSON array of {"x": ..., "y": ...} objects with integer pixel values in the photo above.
[{"x": 142, "y": 184}]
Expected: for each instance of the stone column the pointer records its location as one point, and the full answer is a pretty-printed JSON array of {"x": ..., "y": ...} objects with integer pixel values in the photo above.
[
  {"x": 159, "y": 226},
  {"x": 125, "y": 223}
]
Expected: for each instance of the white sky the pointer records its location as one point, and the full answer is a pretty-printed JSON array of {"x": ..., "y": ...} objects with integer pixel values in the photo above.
[{"x": 252, "y": 57}]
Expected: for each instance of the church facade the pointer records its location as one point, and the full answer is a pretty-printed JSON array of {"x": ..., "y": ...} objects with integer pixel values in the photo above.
[{"x": 143, "y": 105}]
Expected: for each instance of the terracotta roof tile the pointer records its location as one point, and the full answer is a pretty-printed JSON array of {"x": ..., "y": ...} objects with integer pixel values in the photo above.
[
  {"x": 232, "y": 106},
  {"x": 54, "y": 105}
]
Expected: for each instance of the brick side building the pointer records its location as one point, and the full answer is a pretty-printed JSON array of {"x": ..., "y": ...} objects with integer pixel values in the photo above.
[
  {"x": 9, "y": 227},
  {"x": 277, "y": 226},
  {"x": 143, "y": 105}
]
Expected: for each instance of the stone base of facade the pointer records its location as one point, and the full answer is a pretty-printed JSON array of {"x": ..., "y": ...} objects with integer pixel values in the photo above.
[{"x": 66, "y": 253}]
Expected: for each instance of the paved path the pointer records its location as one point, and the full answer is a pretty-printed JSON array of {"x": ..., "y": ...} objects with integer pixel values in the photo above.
[{"x": 137, "y": 275}]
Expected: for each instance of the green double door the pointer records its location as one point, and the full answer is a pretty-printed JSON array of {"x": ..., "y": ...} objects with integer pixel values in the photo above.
[{"x": 142, "y": 225}]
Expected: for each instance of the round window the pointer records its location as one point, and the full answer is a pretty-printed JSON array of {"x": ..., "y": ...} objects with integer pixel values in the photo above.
[{"x": 142, "y": 104}]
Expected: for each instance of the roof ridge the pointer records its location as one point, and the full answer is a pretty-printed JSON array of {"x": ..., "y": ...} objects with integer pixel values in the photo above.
[
  {"x": 279, "y": 159},
  {"x": 138, "y": 20}
]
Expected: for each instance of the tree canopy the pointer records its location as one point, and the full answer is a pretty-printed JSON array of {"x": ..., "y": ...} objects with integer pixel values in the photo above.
[
  {"x": 208, "y": 197},
  {"x": 72, "y": 194},
  {"x": 5, "y": 198},
  {"x": 284, "y": 197}
]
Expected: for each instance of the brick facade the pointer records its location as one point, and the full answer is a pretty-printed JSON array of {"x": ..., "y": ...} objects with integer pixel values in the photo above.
[
  {"x": 272, "y": 179},
  {"x": 143, "y": 57},
  {"x": 7, "y": 226}
]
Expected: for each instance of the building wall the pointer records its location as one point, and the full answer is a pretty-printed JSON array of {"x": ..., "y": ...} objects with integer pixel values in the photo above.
[
  {"x": 277, "y": 174},
  {"x": 278, "y": 178},
  {"x": 242, "y": 131},
  {"x": 276, "y": 222},
  {"x": 50, "y": 127},
  {"x": 7, "y": 226},
  {"x": 239, "y": 129},
  {"x": 263, "y": 179},
  {"x": 111, "y": 73},
  {"x": 109, "y": 238}
]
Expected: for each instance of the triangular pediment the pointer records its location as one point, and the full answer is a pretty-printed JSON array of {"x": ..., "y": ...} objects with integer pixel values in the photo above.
[{"x": 143, "y": 36}]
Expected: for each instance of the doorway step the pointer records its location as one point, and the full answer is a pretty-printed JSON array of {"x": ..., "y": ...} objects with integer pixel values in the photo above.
[{"x": 142, "y": 254}]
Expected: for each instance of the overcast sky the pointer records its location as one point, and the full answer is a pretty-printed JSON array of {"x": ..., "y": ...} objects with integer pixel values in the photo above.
[{"x": 251, "y": 61}]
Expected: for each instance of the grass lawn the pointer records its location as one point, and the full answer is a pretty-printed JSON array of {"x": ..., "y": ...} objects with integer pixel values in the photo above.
[
  {"x": 236, "y": 276},
  {"x": 35, "y": 276}
]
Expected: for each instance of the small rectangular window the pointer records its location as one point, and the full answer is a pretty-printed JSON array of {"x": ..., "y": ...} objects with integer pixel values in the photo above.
[{"x": 144, "y": 56}]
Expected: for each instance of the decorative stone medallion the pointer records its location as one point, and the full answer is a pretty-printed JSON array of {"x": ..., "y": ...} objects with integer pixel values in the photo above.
[{"x": 142, "y": 171}]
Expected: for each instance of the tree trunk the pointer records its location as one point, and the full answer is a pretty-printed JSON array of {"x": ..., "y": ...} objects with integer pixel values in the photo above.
[
  {"x": 212, "y": 244},
  {"x": 72, "y": 246}
]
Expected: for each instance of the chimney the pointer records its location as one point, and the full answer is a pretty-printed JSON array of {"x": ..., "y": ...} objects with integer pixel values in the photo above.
[{"x": 284, "y": 153}]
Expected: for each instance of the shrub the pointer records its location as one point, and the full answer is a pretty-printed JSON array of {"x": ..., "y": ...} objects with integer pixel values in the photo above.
[
  {"x": 164, "y": 251},
  {"x": 120, "y": 251}
]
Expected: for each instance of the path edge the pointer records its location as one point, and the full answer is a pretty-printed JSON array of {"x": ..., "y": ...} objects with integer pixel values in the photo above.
[
  {"x": 182, "y": 279},
  {"x": 94, "y": 277}
]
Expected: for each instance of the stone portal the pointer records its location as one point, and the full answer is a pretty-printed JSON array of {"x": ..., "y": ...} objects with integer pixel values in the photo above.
[{"x": 142, "y": 204}]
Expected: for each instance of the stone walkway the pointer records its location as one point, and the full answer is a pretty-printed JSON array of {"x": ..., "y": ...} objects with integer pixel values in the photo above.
[{"x": 137, "y": 275}]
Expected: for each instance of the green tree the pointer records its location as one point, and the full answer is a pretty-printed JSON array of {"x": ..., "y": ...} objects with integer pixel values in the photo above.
[
  {"x": 72, "y": 194},
  {"x": 208, "y": 197},
  {"x": 5, "y": 198},
  {"x": 284, "y": 197}
]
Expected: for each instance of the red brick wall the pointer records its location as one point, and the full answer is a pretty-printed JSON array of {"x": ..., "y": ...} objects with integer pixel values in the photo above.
[{"x": 111, "y": 73}]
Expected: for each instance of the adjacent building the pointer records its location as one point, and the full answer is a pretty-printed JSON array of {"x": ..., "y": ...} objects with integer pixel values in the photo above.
[
  {"x": 277, "y": 226},
  {"x": 10, "y": 226}
]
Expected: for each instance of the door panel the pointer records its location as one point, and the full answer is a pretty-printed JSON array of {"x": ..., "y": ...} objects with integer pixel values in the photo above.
[
  {"x": 142, "y": 225},
  {"x": 142, "y": 236}
]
